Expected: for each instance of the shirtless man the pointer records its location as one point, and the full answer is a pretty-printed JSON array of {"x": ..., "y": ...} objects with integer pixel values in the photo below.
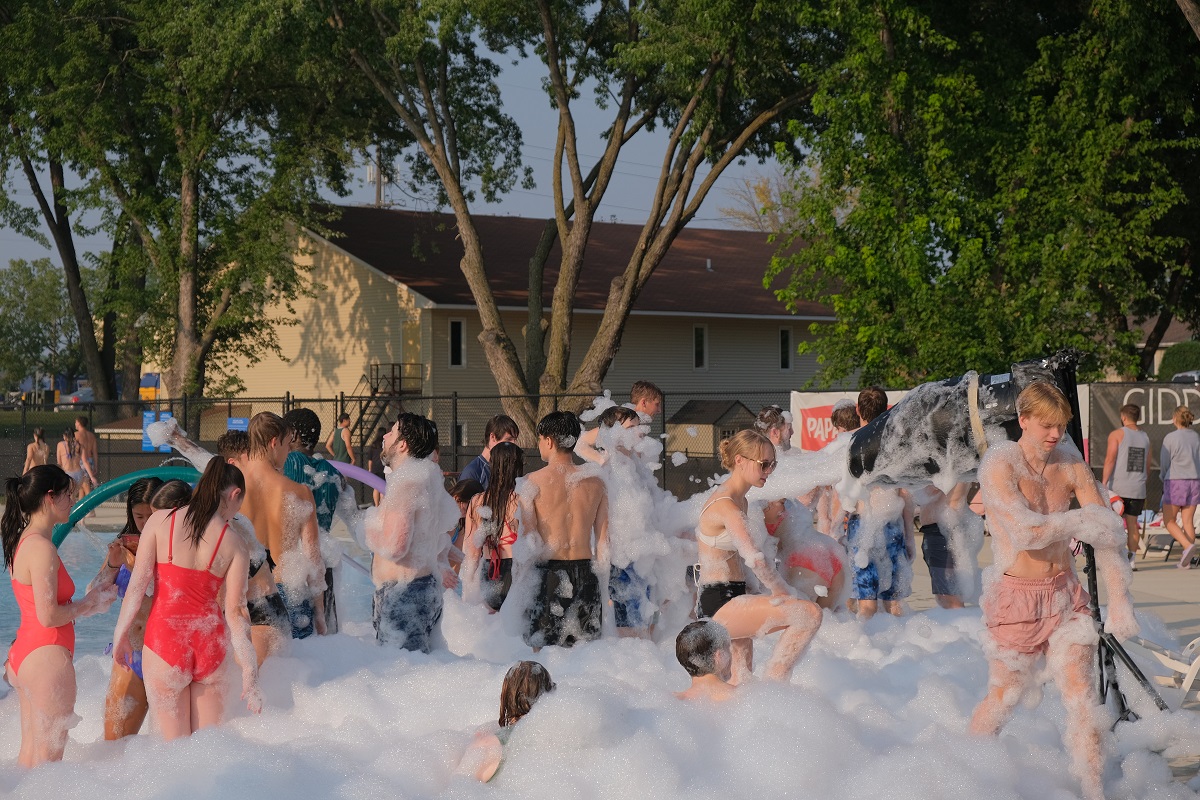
[
  {"x": 1032, "y": 602},
  {"x": 87, "y": 451},
  {"x": 270, "y": 624},
  {"x": 938, "y": 513},
  {"x": 406, "y": 533},
  {"x": 285, "y": 520},
  {"x": 644, "y": 397},
  {"x": 703, "y": 649},
  {"x": 566, "y": 509}
]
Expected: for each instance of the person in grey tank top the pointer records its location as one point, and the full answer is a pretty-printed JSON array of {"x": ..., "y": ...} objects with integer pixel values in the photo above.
[
  {"x": 1180, "y": 465},
  {"x": 1126, "y": 467}
]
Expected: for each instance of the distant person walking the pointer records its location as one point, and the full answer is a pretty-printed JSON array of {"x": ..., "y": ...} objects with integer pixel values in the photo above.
[
  {"x": 338, "y": 443},
  {"x": 37, "y": 454},
  {"x": 1180, "y": 465},
  {"x": 1126, "y": 467}
]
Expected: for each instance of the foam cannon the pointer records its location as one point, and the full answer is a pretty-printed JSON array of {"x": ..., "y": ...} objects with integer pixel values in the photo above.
[{"x": 938, "y": 431}]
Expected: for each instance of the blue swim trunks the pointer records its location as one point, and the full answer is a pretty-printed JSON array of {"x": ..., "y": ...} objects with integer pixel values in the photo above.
[
  {"x": 135, "y": 660},
  {"x": 865, "y": 585},
  {"x": 628, "y": 590},
  {"x": 301, "y": 614}
]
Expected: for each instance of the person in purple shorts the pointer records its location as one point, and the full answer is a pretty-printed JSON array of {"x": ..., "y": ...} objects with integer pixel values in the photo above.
[{"x": 1180, "y": 464}]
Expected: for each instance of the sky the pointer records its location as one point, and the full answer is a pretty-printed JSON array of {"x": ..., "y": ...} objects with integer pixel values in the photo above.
[{"x": 520, "y": 85}]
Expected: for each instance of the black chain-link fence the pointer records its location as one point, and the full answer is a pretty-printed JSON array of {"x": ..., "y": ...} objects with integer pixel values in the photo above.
[{"x": 690, "y": 424}]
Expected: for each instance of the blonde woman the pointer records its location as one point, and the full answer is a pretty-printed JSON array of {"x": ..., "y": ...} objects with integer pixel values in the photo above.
[
  {"x": 724, "y": 542},
  {"x": 1180, "y": 464}
]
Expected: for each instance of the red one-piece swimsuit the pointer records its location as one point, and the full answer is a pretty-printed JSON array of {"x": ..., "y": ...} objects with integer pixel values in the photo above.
[
  {"x": 185, "y": 627},
  {"x": 33, "y": 634}
]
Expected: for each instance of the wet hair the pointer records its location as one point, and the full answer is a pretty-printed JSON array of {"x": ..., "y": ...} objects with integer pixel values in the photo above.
[
  {"x": 500, "y": 426},
  {"x": 463, "y": 491},
  {"x": 1184, "y": 416},
  {"x": 23, "y": 497},
  {"x": 218, "y": 477},
  {"x": 769, "y": 418},
  {"x": 417, "y": 432},
  {"x": 525, "y": 682},
  {"x": 140, "y": 492},
  {"x": 872, "y": 402},
  {"x": 618, "y": 415},
  {"x": 172, "y": 494},
  {"x": 39, "y": 435},
  {"x": 264, "y": 426},
  {"x": 561, "y": 427},
  {"x": 697, "y": 646},
  {"x": 232, "y": 444},
  {"x": 84, "y": 423},
  {"x": 1045, "y": 402},
  {"x": 305, "y": 423},
  {"x": 644, "y": 390},
  {"x": 845, "y": 416},
  {"x": 508, "y": 464},
  {"x": 1131, "y": 411},
  {"x": 748, "y": 444}
]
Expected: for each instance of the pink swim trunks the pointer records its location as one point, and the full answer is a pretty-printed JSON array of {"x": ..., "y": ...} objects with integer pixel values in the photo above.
[{"x": 1021, "y": 613}]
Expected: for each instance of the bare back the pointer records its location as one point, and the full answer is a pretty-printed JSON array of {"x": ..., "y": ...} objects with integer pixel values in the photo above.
[
  {"x": 87, "y": 444},
  {"x": 567, "y": 508},
  {"x": 277, "y": 506}
]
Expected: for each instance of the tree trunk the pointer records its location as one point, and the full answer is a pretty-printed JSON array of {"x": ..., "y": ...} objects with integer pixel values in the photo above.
[{"x": 1191, "y": 10}]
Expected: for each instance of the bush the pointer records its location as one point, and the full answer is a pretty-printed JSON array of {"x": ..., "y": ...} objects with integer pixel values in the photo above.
[{"x": 1177, "y": 358}]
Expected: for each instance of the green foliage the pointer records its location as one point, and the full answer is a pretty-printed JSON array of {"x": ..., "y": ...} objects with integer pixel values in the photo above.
[
  {"x": 990, "y": 182},
  {"x": 36, "y": 326},
  {"x": 1181, "y": 357}
]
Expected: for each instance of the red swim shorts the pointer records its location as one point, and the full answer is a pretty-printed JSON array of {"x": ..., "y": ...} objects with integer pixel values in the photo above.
[{"x": 1021, "y": 613}]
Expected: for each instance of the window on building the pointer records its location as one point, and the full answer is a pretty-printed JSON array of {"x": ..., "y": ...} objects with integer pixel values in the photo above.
[
  {"x": 786, "y": 349},
  {"x": 700, "y": 347},
  {"x": 458, "y": 343}
]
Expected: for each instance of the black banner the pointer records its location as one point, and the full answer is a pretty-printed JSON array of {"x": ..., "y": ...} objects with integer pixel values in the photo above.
[{"x": 1158, "y": 402}]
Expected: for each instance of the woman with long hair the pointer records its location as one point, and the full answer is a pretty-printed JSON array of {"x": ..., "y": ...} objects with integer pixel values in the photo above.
[
  {"x": 125, "y": 703},
  {"x": 524, "y": 684},
  {"x": 38, "y": 452},
  {"x": 39, "y": 662},
  {"x": 724, "y": 543},
  {"x": 492, "y": 526},
  {"x": 1180, "y": 465},
  {"x": 189, "y": 556}
]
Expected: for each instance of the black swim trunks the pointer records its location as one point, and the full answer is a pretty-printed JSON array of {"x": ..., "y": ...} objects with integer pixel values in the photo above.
[
  {"x": 407, "y": 614},
  {"x": 494, "y": 591},
  {"x": 270, "y": 610},
  {"x": 567, "y": 607},
  {"x": 715, "y": 595}
]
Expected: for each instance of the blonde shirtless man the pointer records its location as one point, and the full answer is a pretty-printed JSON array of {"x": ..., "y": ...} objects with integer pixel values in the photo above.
[
  {"x": 406, "y": 533},
  {"x": 570, "y": 513},
  {"x": 1032, "y": 603},
  {"x": 284, "y": 516}
]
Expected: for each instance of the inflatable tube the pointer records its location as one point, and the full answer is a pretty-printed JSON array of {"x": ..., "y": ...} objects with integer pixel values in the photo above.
[
  {"x": 361, "y": 475},
  {"x": 115, "y": 487}
]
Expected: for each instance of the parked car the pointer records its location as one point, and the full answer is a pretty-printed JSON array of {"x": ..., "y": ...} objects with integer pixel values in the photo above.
[
  {"x": 76, "y": 400},
  {"x": 1192, "y": 376}
]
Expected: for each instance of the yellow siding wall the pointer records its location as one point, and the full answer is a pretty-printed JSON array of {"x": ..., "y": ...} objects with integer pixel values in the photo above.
[{"x": 359, "y": 317}]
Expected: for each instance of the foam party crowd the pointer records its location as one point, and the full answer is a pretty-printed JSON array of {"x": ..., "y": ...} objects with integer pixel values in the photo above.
[{"x": 561, "y": 626}]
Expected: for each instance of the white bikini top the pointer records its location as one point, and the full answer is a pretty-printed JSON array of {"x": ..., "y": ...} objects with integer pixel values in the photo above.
[{"x": 723, "y": 540}]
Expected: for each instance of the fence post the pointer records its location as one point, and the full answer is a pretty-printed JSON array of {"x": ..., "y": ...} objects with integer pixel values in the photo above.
[
  {"x": 287, "y": 401},
  {"x": 663, "y": 441},
  {"x": 454, "y": 426},
  {"x": 341, "y": 404},
  {"x": 185, "y": 416}
]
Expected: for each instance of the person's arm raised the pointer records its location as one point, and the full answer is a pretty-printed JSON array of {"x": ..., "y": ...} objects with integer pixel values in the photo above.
[{"x": 585, "y": 448}]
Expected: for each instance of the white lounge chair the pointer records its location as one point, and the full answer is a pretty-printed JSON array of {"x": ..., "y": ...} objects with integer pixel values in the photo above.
[{"x": 1184, "y": 666}]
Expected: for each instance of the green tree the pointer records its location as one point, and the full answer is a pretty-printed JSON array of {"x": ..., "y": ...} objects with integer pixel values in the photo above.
[
  {"x": 989, "y": 182},
  {"x": 721, "y": 78},
  {"x": 202, "y": 137},
  {"x": 39, "y": 334}
]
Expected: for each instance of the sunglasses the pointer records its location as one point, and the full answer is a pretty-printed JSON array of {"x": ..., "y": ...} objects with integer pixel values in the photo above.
[{"x": 767, "y": 465}]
